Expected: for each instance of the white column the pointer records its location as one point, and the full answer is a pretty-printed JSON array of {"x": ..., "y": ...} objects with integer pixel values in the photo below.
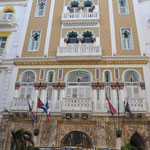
[
  {"x": 143, "y": 95},
  {"x": 48, "y": 35},
  {"x": 36, "y": 94},
  {"x": 112, "y": 28},
  {"x": 114, "y": 96},
  {"x": 121, "y": 96},
  {"x": 94, "y": 95},
  {"x": 43, "y": 95},
  {"x": 16, "y": 93},
  {"x": 102, "y": 98},
  {"x": 146, "y": 72},
  {"x": 55, "y": 96}
]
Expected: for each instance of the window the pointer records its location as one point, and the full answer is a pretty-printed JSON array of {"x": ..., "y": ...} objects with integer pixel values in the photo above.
[
  {"x": 132, "y": 84},
  {"x": 78, "y": 92},
  {"x": 72, "y": 37},
  {"x": 107, "y": 76},
  {"x": 127, "y": 39},
  {"x": 50, "y": 76},
  {"x": 7, "y": 15},
  {"x": 74, "y": 6},
  {"x": 88, "y": 37},
  {"x": 3, "y": 42},
  {"x": 123, "y": 7},
  {"x": 40, "y": 9},
  {"x": 34, "y": 41},
  {"x": 88, "y": 6},
  {"x": 49, "y": 93},
  {"x": 78, "y": 85},
  {"x": 26, "y": 91},
  {"x": 28, "y": 76}
]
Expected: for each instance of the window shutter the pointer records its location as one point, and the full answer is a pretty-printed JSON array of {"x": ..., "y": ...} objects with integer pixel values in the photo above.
[
  {"x": 29, "y": 92},
  {"x": 129, "y": 92},
  {"x": 49, "y": 93},
  {"x": 136, "y": 91},
  {"x": 22, "y": 92},
  {"x": 10, "y": 16},
  {"x": 81, "y": 92},
  {"x": 41, "y": 12},
  {"x": 74, "y": 92},
  {"x": 87, "y": 92},
  {"x": 4, "y": 16},
  {"x": 68, "y": 92},
  {"x": 97, "y": 73}
]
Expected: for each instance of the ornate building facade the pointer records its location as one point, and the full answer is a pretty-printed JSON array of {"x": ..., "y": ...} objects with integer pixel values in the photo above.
[{"x": 76, "y": 54}]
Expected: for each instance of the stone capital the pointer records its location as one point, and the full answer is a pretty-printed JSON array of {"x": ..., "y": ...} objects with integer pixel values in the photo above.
[
  {"x": 101, "y": 85},
  {"x": 94, "y": 86},
  {"x": 44, "y": 86},
  {"x": 17, "y": 86},
  {"x": 113, "y": 86},
  {"x": 142, "y": 86},
  {"x": 121, "y": 86},
  {"x": 37, "y": 86}
]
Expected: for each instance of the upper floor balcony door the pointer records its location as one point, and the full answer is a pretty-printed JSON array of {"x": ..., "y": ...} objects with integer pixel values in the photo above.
[
  {"x": 78, "y": 93},
  {"x": 76, "y": 11}
]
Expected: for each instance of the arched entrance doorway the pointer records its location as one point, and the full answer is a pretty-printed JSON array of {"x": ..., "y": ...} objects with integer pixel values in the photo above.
[
  {"x": 137, "y": 141},
  {"x": 77, "y": 138}
]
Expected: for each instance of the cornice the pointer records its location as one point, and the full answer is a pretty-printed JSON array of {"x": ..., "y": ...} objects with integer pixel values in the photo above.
[
  {"x": 120, "y": 60},
  {"x": 14, "y": 2}
]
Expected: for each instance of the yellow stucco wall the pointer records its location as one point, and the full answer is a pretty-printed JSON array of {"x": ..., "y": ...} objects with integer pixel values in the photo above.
[
  {"x": 123, "y": 21},
  {"x": 105, "y": 39},
  {"x": 36, "y": 23}
]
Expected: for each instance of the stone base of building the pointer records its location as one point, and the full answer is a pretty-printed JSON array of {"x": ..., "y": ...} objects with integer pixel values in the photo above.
[{"x": 99, "y": 130}]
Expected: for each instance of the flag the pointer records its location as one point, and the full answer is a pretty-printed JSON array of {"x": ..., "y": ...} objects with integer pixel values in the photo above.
[
  {"x": 48, "y": 113},
  {"x": 112, "y": 109},
  {"x": 127, "y": 109},
  {"x": 31, "y": 112},
  {"x": 41, "y": 105}
]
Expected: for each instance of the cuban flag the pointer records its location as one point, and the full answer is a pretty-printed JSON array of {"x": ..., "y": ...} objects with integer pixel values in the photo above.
[
  {"x": 41, "y": 105},
  {"x": 47, "y": 109},
  {"x": 112, "y": 109}
]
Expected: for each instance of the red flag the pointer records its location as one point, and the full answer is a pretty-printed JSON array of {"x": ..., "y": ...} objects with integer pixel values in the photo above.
[
  {"x": 112, "y": 109},
  {"x": 40, "y": 103}
]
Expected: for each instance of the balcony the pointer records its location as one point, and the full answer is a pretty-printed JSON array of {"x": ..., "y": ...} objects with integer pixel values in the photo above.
[
  {"x": 7, "y": 20},
  {"x": 77, "y": 105},
  {"x": 79, "y": 49},
  {"x": 80, "y": 15},
  {"x": 21, "y": 104},
  {"x": 137, "y": 104}
]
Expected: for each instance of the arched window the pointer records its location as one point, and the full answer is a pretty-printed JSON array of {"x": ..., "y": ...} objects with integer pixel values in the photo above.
[
  {"x": 78, "y": 85},
  {"x": 79, "y": 76},
  {"x": 28, "y": 76},
  {"x": 74, "y": 6},
  {"x": 40, "y": 10},
  {"x": 127, "y": 40},
  {"x": 88, "y": 6},
  {"x": 27, "y": 88},
  {"x": 72, "y": 37},
  {"x": 50, "y": 76},
  {"x": 123, "y": 7},
  {"x": 131, "y": 79},
  {"x": 88, "y": 37},
  {"x": 131, "y": 76}
]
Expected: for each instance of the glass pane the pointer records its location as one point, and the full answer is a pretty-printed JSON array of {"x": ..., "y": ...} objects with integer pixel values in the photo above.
[{"x": 74, "y": 93}]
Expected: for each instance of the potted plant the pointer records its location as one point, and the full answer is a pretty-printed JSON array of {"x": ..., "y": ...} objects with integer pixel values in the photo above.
[{"x": 128, "y": 146}]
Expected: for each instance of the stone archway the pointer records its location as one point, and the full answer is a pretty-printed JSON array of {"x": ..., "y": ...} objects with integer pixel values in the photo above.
[
  {"x": 138, "y": 141},
  {"x": 75, "y": 138}
]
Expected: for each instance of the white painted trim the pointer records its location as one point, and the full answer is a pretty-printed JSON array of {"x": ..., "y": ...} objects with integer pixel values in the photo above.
[
  {"x": 48, "y": 35},
  {"x": 139, "y": 27},
  {"x": 24, "y": 28},
  {"x": 112, "y": 28}
]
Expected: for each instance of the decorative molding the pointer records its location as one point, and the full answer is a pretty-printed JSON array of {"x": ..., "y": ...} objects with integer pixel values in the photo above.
[
  {"x": 80, "y": 24},
  {"x": 125, "y": 62}
]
